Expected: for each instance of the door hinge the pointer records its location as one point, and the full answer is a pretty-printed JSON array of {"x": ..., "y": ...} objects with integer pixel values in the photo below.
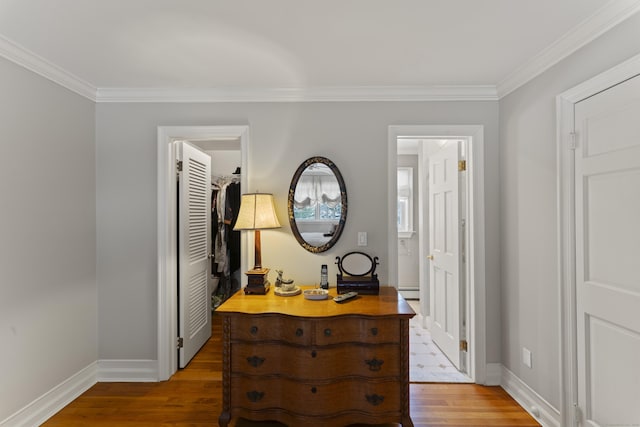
[
  {"x": 178, "y": 169},
  {"x": 464, "y": 346},
  {"x": 577, "y": 415},
  {"x": 573, "y": 141},
  {"x": 180, "y": 342},
  {"x": 462, "y": 165}
]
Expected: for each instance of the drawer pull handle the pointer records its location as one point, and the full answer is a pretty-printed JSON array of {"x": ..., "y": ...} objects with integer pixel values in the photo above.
[
  {"x": 255, "y": 395},
  {"x": 299, "y": 332},
  {"x": 374, "y": 364},
  {"x": 255, "y": 361},
  {"x": 313, "y": 353},
  {"x": 374, "y": 331},
  {"x": 314, "y": 390},
  {"x": 253, "y": 330},
  {"x": 374, "y": 399},
  {"x": 327, "y": 332}
]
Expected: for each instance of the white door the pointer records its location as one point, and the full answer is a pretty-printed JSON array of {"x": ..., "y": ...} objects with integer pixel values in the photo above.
[
  {"x": 194, "y": 206},
  {"x": 444, "y": 249},
  {"x": 607, "y": 188}
]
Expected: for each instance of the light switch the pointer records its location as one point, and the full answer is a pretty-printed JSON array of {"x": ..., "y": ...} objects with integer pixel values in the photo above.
[{"x": 362, "y": 238}]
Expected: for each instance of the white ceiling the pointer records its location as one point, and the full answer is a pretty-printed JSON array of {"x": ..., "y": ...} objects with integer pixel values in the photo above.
[{"x": 300, "y": 44}]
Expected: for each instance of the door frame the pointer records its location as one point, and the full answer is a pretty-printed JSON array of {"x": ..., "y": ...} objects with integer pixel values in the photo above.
[
  {"x": 167, "y": 229},
  {"x": 566, "y": 240},
  {"x": 476, "y": 327}
]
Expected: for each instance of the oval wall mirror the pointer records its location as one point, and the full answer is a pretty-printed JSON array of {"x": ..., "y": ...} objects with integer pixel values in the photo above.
[{"x": 317, "y": 204}]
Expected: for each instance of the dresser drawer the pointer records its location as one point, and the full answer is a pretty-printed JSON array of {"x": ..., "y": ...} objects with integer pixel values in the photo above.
[
  {"x": 315, "y": 399},
  {"x": 316, "y": 363},
  {"x": 357, "y": 330},
  {"x": 293, "y": 330}
]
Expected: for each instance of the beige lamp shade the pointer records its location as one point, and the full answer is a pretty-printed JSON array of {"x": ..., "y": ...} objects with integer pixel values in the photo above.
[{"x": 257, "y": 212}]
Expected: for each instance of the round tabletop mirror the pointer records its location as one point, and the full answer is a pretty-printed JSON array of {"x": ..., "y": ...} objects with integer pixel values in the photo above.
[
  {"x": 317, "y": 204},
  {"x": 357, "y": 264}
]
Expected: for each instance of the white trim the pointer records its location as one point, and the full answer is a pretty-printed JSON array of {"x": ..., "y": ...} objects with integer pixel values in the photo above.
[
  {"x": 603, "y": 20},
  {"x": 476, "y": 264},
  {"x": 51, "y": 402},
  {"x": 167, "y": 219},
  {"x": 566, "y": 209},
  {"x": 47, "y": 405},
  {"x": 405, "y": 234},
  {"x": 314, "y": 94},
  {"x": 532, "y": 402},
  {"x": 127, "y": 371},
  {"x": 37, "y": 64},
  {"x": 409, "y": 293}
]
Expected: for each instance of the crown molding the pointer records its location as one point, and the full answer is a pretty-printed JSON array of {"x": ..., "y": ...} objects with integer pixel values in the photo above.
[
  {"x": 607, "y": 17},
  {"x": 320, "y": 94},
  {"x": 35, "y": 63},
  {"x": 29, "y": 60}
]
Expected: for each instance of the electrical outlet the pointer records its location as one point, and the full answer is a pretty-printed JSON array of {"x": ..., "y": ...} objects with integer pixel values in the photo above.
[{"x": 526, "y": 357}]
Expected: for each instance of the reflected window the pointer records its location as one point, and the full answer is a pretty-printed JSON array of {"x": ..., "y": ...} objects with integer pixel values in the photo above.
[
  {"x": 405, "y": 200},
  {"x": 317, "y": 195}
]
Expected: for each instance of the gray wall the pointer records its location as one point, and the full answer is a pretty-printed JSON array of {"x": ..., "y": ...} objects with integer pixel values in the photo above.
[
  {"x": 48, "y": 294},
  {"x": 64, "y": 156},
  {"x": 530, "y": 291},
  {"x": 283, "y": 135}
]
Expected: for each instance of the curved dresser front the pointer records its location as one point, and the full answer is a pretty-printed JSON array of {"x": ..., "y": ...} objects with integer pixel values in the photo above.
[{"x": 316, "y": 363}]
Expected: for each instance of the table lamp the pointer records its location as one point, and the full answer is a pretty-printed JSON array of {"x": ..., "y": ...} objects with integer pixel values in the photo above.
[{"x": 257, "y": 212}]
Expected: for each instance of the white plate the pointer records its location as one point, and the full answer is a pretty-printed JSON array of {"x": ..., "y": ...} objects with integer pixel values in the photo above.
[{"x": 316, "y": 294}]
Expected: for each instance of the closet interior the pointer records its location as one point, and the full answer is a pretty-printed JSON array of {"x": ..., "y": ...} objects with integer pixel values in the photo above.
[{"x": 225, "y": 262}]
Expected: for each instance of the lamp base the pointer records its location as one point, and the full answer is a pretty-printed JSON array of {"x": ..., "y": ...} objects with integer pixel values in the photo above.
[{"x": 257, "y": 282}]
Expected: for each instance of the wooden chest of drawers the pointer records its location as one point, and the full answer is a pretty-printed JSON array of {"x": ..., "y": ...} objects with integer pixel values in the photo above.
[{"x": 316, "y": 363}]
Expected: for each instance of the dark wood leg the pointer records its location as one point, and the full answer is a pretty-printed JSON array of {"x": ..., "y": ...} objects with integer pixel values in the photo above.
[
  {"x": 225, "y": 415},
  {"x": 223, "y": 419},
  {"x": 406, "y": 421}
]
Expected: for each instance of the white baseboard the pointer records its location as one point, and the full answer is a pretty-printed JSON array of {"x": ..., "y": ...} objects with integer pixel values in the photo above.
[
  {"x": 426, "y": 322},
  {"x": 127, "y": 371},
  {"x": 41, "y": 409},
  {"x": 47, "y": 405},
  {"x": 531, "y": 401},
  {"x": 409, "y": 293}
]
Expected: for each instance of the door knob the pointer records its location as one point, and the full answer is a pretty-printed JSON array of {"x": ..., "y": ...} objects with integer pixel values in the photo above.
[{"x": 430, "y": 257}]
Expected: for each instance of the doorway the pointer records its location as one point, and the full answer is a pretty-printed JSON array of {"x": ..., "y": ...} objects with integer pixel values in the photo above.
[
  {"x": 432, "y": 215},
  {"x": 598, "y": 176},
  {"x": 472, "y": 300},
  {"x": 167, "y": 229}
]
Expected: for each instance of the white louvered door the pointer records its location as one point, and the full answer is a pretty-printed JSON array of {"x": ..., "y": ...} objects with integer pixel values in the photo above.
[{"x": 194, "y": 206}]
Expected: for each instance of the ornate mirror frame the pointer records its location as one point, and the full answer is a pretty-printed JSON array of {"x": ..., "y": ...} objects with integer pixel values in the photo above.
[{"x": 343, "y": 195}]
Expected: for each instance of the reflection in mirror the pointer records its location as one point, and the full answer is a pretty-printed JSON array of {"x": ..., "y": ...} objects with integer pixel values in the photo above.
[
  {"x": 317, "y": 204},
  {"x": 357, "y": 264}
]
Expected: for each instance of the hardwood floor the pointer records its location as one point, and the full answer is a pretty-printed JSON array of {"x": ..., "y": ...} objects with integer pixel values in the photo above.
[{"x": 193, "y": 398}]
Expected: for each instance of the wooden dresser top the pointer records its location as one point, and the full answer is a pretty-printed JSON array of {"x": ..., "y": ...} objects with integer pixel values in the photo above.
[{"x": 387, "y": 303}]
